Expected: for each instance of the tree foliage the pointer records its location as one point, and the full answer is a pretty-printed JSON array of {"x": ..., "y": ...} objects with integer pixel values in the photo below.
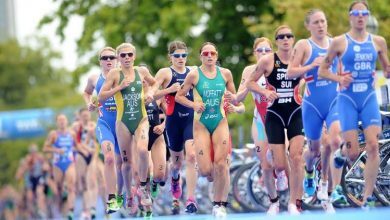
[{"x": 28, "y": 79}]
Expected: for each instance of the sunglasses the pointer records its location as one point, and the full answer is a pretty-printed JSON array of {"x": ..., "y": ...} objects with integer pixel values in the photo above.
[
  {"x": 207, "y": 53},
  {"x": 263, "y": 50},
  {"x": 107, "y": 57},
  {"x": 282, "y": 36},
  {"x": 178, "y": 55},
  {"x": 356, "y": 13},
  {"x": 123, "y": 55}
]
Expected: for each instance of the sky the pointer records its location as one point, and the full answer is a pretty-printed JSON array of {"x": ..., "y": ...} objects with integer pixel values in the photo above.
[{"x": 28, "y": 13}]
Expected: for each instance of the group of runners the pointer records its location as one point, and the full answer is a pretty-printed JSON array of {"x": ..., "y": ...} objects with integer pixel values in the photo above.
[{"x": 148, "y": 127}]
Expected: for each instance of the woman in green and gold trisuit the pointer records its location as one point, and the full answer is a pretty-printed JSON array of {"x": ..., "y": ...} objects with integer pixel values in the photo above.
[
  {"x": 211, "y": 131},
  {"x": 132, "y": 126}
]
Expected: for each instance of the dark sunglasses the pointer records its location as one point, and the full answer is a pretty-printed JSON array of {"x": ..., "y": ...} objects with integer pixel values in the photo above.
[
  {"x": 356, "y": 13},
  {"x": 207, "y": 53},
  {"x": 178, "y": 55},
  {"x": 123, "y": 55},
  {"x": 263, "y": 50},
  {"x": 282, "y": 36},
  {"x": 107, "y": 57}
]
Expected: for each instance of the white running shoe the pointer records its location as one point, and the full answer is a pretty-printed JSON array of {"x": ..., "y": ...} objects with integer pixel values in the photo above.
[
  {"x": 221, "y": 212},
  {"x": 292, "y": 209},
  {"x": 328, "y": 207},
  {"x": 215, "y": 208},
  {"x": 281, "y": 181},
  {"x": 273, "y": 209},
  {"x": 146, "y": 199},
  {"x": 322, "y": 192}
]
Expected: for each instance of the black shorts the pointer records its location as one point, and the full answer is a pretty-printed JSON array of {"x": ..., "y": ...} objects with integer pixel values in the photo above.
[
  {"x": 275, "y": 123},
  {"x": 178, "y": 130},
  {"x": 152, "y": 138},
  {"x": 87, "y": 158}
]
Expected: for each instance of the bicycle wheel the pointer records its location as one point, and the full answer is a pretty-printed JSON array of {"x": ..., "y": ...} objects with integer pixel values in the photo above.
[
  {"x": 353, "y": 182},
  {"x": 233, "y": 203},
  {"x": 257, "y": 192},
  {"x": 240, "y": 192},
  {"x": 383, "y": 180}
]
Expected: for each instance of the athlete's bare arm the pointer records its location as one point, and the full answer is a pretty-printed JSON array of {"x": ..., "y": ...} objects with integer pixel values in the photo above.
[
  {"x": 381, "y": 45},
  {"x": 242, "y": 89},
  {"x": 230, "y": 87},
  {"x": 110, "y": 86},
  {"x": 163, "y": 77},
  {"x": 189, "y": 82},
  {"x": 299, "y": 55},
  {"x": 151, "y": 83},
  {"x": 264, "y": 67},
  {"x": 88, "y": 91},
  {"x": 80, "y": 147},
  {"x": 335, "y": 49},
  {"x": 48, "y": 145}
]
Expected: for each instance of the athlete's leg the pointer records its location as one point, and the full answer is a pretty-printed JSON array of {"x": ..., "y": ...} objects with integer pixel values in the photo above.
[
  {"x": 191, "y": 174},
  {"x": 296, "y": 164},
  {"x": 110, "y": 174},
  {"x": 141, "y": 144},
  {"x": 125, "y": 144},
  {"x": 92, "y": 184},
  {"x": 261, "y": 149},
  {"x": 58, "y": 177},
  {"x": 119, "y": 175},
  {"x": 41, "y": 200},
  {"x": 325, "y": 155},
  {"x": 70, "y": 180},
  {"x": 371, "y": 134},
  {"x": 220, "y": 138},
  {"x": 202, "y": 142},
  {"x": 158, "y": 158},
  {"x": 176, "y": 163},
  {"x": 335, "y": 142},
  {"x": 81, "y": 174},
  {"x": 100, "y": 180}
]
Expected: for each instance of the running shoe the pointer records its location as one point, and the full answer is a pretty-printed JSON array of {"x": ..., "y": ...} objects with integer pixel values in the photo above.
[
  {"x": 120, "y": 200},
  {"x": 176, "y": 188},
  {"x": 112, "y": 206},
  {"x": 146, "y": 200},
  {"x": 309, "y": 183},
  {"x": 191, "y": 206},
  {"x": 70, "y": 215},
  {"x": 322, "y": 192},
  {"x": 148, "y": 215},
  {"x": 220, "y": 212},
  {"x": 369, "y": 204},
  {"x": 337, "y": 196},
  {"x": 214, "y": 211},
  {"x": 273, "y": 209},
  {"x": 154, "y": 190},
  {"x": 293, "y": 210},
  {"x": 175, "y": 207}
]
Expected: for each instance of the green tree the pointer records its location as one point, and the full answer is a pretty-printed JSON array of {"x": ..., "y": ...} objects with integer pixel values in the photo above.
[
  {"x": 28, "y": 79},
  {"x": 150, "y": 25}
]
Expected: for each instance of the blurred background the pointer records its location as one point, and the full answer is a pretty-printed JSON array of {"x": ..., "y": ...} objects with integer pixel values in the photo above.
[{"x": 48, "y": 48}]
